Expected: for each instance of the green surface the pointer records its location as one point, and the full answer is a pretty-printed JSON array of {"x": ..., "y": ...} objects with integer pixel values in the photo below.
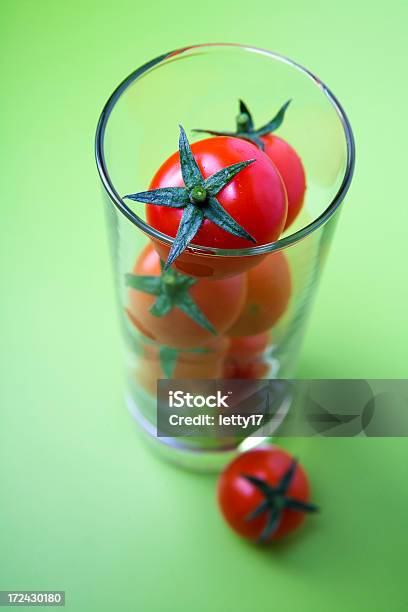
[{"x": 83, "y": 506}]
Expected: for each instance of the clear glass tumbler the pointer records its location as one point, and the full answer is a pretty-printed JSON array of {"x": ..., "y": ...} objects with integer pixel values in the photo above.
[{"x": 199, "y": 86}]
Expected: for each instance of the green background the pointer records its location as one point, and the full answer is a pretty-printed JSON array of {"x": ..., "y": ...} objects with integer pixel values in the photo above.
[{"x": 83, "y": 506}]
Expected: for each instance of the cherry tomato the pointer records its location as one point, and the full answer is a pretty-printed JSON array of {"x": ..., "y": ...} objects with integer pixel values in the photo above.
[
  {"x": 290, "y": 167},
  {"x": 244, "y": 485},
  {"x": 251, "y": 370},
  {"x": 280, "y": 152},
  {"x": 255, "y": 198},
  {"x": 220, "y": 301},
  {"x": 244, "y": 357},
  {"x": 246, "y": 348},
  {"x": 268, "y": 294},
  {"x": 189, "y": 365}
]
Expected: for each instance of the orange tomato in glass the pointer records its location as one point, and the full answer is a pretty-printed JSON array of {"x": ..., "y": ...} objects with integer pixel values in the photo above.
[
  {"x": 268, "y": 293},
  {"x": 220, "y": 302},
  {"x": 244, "y": 357},
  {"x": 206, "y": 363}
]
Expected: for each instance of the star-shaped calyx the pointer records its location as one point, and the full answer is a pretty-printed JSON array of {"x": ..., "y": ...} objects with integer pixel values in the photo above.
[
  {"x": 171, "y": 289},
  {"x": 245, "y": 125},
  {"x": 168, "y": 355},
  {"x": 275, "y": 501},
  {"x": 197, "y": 199}
]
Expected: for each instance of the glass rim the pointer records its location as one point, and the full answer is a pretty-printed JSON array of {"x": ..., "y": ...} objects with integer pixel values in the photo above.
[{"x": 279, "y": 244}]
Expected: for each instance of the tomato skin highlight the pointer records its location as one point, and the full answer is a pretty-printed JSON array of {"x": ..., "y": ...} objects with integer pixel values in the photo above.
[
  {"x": 255, "y": 198},
  {"x": 237, "y": 497},
  {"x": 269, "y": 288},
  {"x": 176, "y": 329},
  {"x": 290, "y": 167}
]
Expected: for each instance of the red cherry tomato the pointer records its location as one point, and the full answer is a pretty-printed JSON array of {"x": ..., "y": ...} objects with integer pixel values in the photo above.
[
  {"x": 246, "y": 348},
  {"x": 244, "y": 357},
  {"x": 255, "y": 198},
  {"x": 252, "y": 370},
  {"x": 268, "y": 293},
  {"x": 238, "y": 497},
  {"x": 290, "y": 167},
  {"x": 220, "y": 301}
]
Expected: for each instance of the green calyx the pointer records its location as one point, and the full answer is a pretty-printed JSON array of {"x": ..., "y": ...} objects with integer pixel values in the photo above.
[
  {"x": 168, "y": 357},
  {"x": 171, "y": 289},
  {"x": 170, "y": 284},
  {"x": 245, "y": 125},
  {"x": 276, "y": 500},
  {"x": 198, "y": 195},
  {"x": 243, "y": 122},
  {"x": 197, "y": 199}
]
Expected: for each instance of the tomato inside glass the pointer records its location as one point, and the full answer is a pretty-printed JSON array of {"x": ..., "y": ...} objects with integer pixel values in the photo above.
[
  {"x": 269, "y": 288},
  {"x": 177, "y": 329},
  {"x": 290, "y": 167},
  {"x": 255, "y": 198}
]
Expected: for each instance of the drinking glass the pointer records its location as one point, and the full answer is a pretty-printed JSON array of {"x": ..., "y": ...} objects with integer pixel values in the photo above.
[{"x": 199, "y": 86}]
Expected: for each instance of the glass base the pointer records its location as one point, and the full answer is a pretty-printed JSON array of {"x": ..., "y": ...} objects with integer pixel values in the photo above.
[{"x": 209, "y": 460}]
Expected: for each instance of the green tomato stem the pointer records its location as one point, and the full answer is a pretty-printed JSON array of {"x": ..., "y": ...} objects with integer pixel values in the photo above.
[
  {"x": 198, "y": 195},
  {"x": 243, "y": 123}
]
